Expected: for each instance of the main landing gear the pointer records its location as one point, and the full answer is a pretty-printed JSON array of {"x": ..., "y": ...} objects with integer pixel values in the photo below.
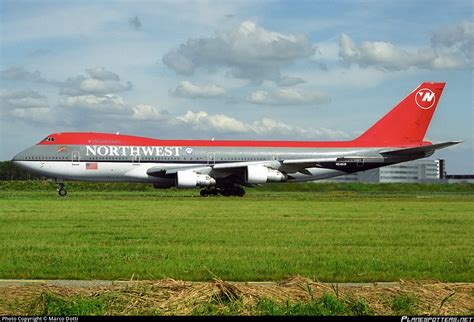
[
  {"x": 227, "y": 191},
  {"x": 61, "y": 189},
  {"x": 210, "y": 191}
]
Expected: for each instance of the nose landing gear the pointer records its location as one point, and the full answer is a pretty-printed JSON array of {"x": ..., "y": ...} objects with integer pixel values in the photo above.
[{"x": 61, "y": 189}]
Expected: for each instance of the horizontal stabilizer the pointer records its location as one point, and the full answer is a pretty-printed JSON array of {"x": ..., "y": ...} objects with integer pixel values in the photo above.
[{"x": 427, "y": 149}]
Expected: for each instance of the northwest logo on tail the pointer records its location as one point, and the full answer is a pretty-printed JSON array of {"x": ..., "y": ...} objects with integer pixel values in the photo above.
[{"x": 425, "y": 98}]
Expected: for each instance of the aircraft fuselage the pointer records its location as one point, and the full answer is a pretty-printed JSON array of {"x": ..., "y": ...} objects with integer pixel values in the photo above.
[{"x": 106, "y": 162}]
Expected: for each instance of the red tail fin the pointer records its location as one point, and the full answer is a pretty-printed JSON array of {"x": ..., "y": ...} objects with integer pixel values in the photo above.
[{"x": 408, "y": 121}]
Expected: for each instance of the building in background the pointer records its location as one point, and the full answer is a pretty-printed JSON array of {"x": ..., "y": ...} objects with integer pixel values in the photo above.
[{"x": 419, "y": 171}]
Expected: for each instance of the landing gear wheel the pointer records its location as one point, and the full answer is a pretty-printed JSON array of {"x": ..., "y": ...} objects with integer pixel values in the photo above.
[
  {"x": 240, "y": 192},
  {"x": 225, "y": 192},
  {"x": 61, "y": 189},
  {"x": 210, "y": 191}
]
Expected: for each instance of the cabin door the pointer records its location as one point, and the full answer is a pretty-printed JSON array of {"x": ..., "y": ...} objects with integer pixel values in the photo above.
[
  {"x": 211, "y": 158},
  {"x": 135, "y": 160},
  {"x": 75, "y": 157}
]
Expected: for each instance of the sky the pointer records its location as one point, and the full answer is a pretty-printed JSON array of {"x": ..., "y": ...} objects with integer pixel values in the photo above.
[{"x": 286, "y": 70}]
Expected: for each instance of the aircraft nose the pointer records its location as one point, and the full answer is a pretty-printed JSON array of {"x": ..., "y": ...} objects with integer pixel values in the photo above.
[
  {"x": 18, "y": 160},
  {"x": 19, "y": 157},
  {"x": 16, "y": 157}
]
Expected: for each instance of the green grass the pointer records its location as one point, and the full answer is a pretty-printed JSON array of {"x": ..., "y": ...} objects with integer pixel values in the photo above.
[
  {"x": 326, "y": 305},
  {"x": 403, "y": 188},
  {"x": 404, "y": 305},
  {"x": 331, "y": 235},
  {"x": 50, "y": 304}
]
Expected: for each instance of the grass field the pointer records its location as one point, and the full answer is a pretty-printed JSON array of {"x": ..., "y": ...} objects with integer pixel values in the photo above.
[{"x": 329, "y": 233}]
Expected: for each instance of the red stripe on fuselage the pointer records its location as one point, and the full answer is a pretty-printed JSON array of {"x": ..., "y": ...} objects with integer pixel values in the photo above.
[{"x": 91, "y": 138}]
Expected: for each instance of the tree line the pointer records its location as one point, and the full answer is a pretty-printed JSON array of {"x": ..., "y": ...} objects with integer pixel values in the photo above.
[{"x": 9, "y": 171}]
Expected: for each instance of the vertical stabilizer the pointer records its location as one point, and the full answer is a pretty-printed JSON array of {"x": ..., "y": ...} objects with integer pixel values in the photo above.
[{"x": 408, "y": 121}]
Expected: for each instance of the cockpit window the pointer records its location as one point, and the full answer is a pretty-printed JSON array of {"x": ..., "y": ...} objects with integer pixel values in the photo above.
[{"x": 48, "y": 139}]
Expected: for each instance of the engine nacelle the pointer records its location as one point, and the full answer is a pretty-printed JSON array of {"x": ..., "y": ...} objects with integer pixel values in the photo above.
[
  {"x": 191, "y": 179},
  {"x": 258, "y": 174}
]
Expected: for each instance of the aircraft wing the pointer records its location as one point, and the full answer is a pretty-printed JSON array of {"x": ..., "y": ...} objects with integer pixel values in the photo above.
[
  {"x": 219, "y": 168},
  {"x": 300, "y": 165},
  {"x": 225, "y": 169},
  {"x": 163, "y": 171}
]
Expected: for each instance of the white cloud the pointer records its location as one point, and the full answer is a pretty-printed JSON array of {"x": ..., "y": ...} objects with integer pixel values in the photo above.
[
  {"x": 389, "y": 57},
  {"x": 338, "y": 78},
  {"x": 203, "y": 121},
  {"x": 26, "y": 105},
  {"x": 143, "y": 112},
  {"x": 287, "y": 96},
  {"x": 454, "y": 34},
  {"x": 96, "y": 86},
  {"x": 458, "y": 38},
  {"x": 189, "y": 90},
  {"x": 219, "y": 122},
  {"x": 101, "y": 73},
  {"x": 267, "y": 126},
  {"x": 110, "y": 103},
  {"x": 27, "y": 102},
  {"x": 98, "y": 82},
  {"x": 35, "y": 114},
  {"x": 22, "y": 99},
  {"x": 249, "y": 51},
  {"x": 95, "y": 92}
]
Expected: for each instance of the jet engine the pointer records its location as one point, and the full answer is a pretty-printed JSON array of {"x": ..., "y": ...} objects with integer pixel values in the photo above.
[
  {"x": 258, "y": 174},
  {"x": 191, "y": 179}
]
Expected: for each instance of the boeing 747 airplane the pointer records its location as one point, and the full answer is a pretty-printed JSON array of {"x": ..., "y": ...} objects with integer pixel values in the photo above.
[{"x": 225, "y": 167}]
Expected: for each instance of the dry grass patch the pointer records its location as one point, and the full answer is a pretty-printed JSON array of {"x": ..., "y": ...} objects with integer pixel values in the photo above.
[{"x": 294, "y": 296}]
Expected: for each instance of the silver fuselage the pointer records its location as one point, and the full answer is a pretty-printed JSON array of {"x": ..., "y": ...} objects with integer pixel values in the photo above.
[{"x": 130, "y": 163}]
